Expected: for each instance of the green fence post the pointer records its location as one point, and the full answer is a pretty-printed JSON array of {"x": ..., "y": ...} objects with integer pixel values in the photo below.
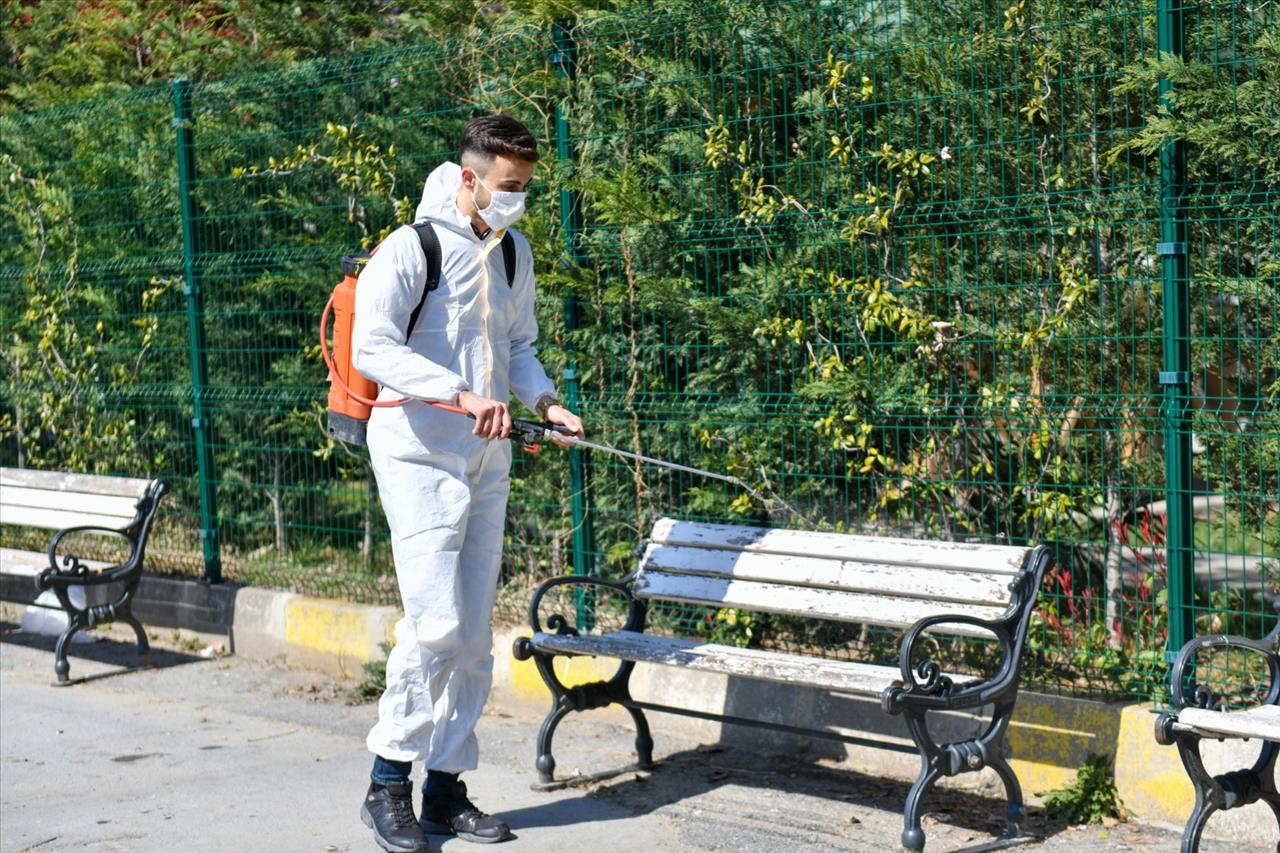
[
  {"x": 183, "y": 123},
  {"x": 1175, "y": 376},
  {"x": 565, "y": 59}
]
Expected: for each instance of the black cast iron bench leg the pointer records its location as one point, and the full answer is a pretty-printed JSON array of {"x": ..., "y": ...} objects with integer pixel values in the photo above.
[
  {"x": 970, "y": 756},
  {"x": 61, "y": 666},
  {"x": 585, "y": 697},
  {"x": 1226, "y": 791},
  {"x": 79, "y": 619}
]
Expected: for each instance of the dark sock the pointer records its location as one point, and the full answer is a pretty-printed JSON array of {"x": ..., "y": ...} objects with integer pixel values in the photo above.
[
  {"x": 388, "y": 772},
  {"x": 438, "y": 782}
]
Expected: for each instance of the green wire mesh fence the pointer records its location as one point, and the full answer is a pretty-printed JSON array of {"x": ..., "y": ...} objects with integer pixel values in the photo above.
[{"x": 895, "y": 264}]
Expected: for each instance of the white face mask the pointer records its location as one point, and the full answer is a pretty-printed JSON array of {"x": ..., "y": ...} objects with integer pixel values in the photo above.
[{"x": 503, "y": 210}]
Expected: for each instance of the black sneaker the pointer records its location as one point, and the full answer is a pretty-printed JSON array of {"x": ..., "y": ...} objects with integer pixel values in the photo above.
[
  {"x": 452, "y": 813},
  {"x": 388, "y": 811}
]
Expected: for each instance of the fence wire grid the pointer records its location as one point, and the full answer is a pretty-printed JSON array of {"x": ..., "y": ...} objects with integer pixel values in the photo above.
[{"x": 902, "y": 266}]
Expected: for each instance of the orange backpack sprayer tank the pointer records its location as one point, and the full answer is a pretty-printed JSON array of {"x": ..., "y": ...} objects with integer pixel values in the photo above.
[{"x": 348, "y": 409}]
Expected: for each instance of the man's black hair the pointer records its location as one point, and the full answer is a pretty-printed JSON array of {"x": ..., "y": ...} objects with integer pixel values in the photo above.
[{"x": 490, "y": 136}]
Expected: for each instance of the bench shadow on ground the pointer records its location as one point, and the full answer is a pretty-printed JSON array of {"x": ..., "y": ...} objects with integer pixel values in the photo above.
[
  {"x": 87, "y": 659},
  {"x": 962, "y": 816}
]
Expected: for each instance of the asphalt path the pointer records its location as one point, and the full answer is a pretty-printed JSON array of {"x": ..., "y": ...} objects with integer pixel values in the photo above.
[{"x": 229, "y": 755}]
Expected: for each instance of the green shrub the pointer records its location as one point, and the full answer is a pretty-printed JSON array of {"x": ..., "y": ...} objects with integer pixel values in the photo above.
[{"x": 1090, "y": 799}]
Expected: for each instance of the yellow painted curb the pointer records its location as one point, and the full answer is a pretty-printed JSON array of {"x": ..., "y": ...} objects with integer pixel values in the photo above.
[
  {"x": 335, "y": 636},
  {"x": 323, "y": 627},
  {"x": 1051, "y": 736},
  {"x": 1150, "y": 777}
]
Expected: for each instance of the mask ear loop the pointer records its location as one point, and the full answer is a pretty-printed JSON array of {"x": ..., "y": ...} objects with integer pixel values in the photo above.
[{"x": 474, "y": 202}]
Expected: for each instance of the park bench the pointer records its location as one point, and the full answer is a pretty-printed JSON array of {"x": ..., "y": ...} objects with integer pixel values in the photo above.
[
  {"x": 80, "y": 503},
  {"x": 964, "y": 590},
  {"x": 1198, "y": 714}
]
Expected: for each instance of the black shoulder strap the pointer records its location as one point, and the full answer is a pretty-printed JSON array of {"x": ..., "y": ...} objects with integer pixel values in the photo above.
[
  {"x": 431, "y": 250},
  {"x": 509, "y": 258}
]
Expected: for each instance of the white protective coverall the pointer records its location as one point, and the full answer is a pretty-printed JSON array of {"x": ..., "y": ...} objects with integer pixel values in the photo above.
[{"x": 444, "y": 489}]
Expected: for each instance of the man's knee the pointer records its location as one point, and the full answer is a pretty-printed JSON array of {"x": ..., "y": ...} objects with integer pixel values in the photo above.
[{"x": 437, "y": 638}]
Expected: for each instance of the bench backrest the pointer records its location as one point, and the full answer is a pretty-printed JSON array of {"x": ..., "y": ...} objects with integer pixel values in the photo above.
[
  {"x": 55, "y": 500},
  {"x": 832, "y": 576}
]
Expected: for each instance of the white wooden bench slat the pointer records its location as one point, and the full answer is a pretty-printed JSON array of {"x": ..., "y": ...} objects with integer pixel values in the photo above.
[
  {"x": 21, "y": 496},
  {"x": 845, "y": 676},
  {"x": 806, "y": 602},
  {"x": 906, "y": 581},
  {"x": 53, "y": 519},
  {"x": 1262, "y": 722},
  {"x": 88, "y": 483},
  {"x": 1006, "y": 559}
]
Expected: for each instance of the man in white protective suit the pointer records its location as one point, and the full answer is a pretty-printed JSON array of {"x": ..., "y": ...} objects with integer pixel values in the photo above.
[{"x": 444, "y": 480}]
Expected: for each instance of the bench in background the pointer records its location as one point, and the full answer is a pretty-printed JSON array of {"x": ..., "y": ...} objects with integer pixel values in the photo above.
[
  {"x": 81, "y": 503},
  {"x": 1197, "y": 714},
  {"x": 928, "y": 588}
]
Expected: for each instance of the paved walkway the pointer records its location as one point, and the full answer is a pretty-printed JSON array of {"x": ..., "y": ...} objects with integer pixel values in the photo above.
[{"x": 224, "y": 755}]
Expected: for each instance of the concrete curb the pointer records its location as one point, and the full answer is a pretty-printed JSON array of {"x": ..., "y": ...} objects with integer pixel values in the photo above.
[
  {"x": 334, "y": 637},
  {"x": 1050, "y": 736},
  {"x": 330, "y": 636}
]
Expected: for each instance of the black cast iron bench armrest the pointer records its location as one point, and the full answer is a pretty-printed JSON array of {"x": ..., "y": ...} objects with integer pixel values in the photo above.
[
  {"x": 1201, "y": 696},
  {"x": 582, "y": 697},
  {"x": 72, "y": 571},
  {"x": 1200, "y": 716},
  {"x": 924, "y": 685},
  {"x": 560, "y": 625}
]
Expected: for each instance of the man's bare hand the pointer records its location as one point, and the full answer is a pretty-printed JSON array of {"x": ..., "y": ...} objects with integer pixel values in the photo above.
[
  {"x": 493, "y": 420},
  {"x": 565, "y": 418}
]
